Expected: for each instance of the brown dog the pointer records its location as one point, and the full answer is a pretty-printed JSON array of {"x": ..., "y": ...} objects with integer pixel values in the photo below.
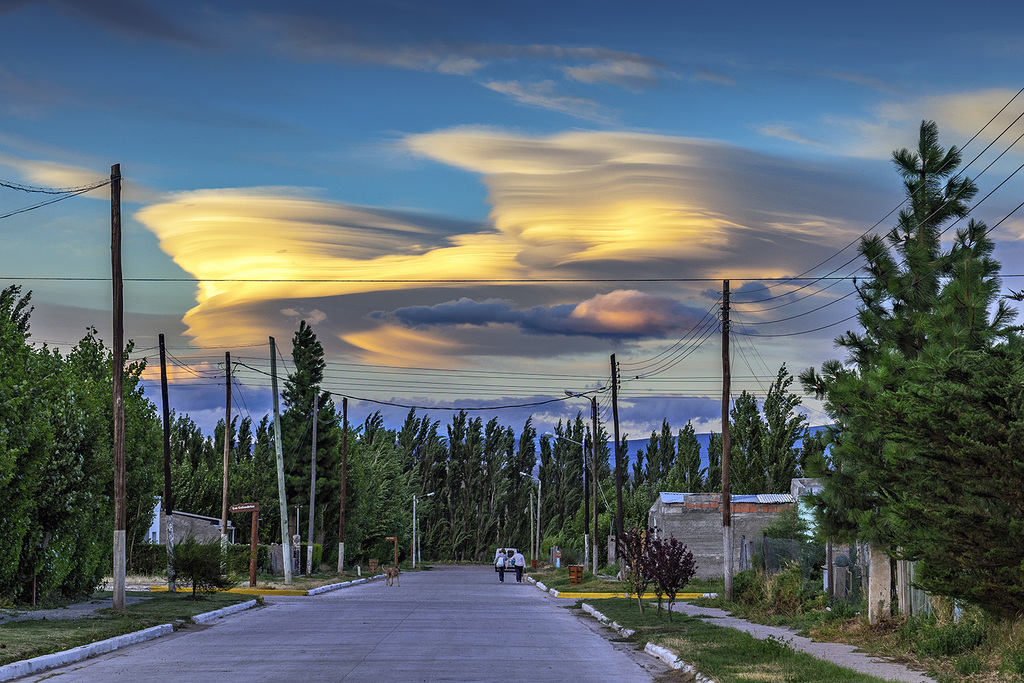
[{"x": 391, "y": 574}]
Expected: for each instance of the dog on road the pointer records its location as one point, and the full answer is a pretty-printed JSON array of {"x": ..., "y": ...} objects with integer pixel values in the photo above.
[{"x": 391, "y": 574}]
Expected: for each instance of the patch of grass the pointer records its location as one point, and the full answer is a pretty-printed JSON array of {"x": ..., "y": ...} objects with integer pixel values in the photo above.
[
  {"x": 724, "y": 654},
  {"x": 34, "y": 637}
]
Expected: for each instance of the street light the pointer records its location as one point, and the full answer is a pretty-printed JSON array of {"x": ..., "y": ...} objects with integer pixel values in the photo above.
[
  {"x": 586, "y": 535},
  {"x": 593, "y": 461},
  {"x": 536, "y": 554},
  {"x": 415, "y": 546}
]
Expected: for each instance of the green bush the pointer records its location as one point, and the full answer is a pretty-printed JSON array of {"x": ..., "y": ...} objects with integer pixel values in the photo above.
[
  {"x": 238, "y": 559},
  {"x": 1013, "y": 662},
  {"x": 148, "y": 559},
  {"x": 950, "y": 640},
  {"x": 747, "y": 587},
  {"x": 199, "y": 564},
  {"x": 318, "y": 553}
]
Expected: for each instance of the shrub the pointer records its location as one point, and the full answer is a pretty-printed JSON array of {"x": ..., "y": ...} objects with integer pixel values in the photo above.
[
  {"x": 633, "y": 549},
  {"x": 950, "y": 640},
  {"x": 671, "y": 567},
  {"x": 199, "y": 563},
  {"x": 238, "y": 559},
  {"x": 748, "y": 587},
  {"x": 148, "y": 559}
]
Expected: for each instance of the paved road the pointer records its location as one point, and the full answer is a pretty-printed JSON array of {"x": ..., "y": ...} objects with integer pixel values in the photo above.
[{"x": 447, "y": 624}]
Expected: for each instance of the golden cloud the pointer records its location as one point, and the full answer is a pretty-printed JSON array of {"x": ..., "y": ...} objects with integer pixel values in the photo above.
[
  {"x": 564, "y": 205},
  {"x": 264, "y": 244},
  {"x": 589, "y": 196},
  {"x": 397, "y": 346}
]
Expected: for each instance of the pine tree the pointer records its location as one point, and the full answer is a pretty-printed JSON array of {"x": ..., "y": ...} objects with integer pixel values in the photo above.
[{"x": 927, "y": 406}]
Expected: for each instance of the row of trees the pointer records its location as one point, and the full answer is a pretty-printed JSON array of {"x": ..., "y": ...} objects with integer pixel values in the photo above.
[
  {"x": 478, "y": 471},
  {"x": 56, "y": 481},
  {"x": 56, "y": 491}
]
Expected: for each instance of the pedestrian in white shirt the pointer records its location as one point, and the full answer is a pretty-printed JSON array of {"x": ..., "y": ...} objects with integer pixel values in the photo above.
[
  {"x": 520, "y": 564},
  {"x": 501, "y": 562}
]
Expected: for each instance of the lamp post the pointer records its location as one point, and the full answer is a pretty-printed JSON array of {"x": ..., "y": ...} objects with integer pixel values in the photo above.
[
  {"x": 585, "y": 533},
  {"x": 593, "y": 461},
  {"x": 536, "y": 556},
  {"x": 415, "y": 546}
]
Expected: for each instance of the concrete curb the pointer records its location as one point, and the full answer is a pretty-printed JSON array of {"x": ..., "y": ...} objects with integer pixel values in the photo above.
[
  {"x": 669, "y": 657},
  {"x": 626, "y": 632},
  {"x": 664, "y": 654},
  {"x": 77, "y": 654},
  {"x": 207, "y": 617}
]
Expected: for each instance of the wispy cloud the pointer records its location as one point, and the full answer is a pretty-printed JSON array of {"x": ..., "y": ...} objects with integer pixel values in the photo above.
[
  {"x": 785, "y": 132},
  {"x": 633, "y": 75},
  {"x": 893, "y": 124},
  {"x": 714, "y": 77},
  {"x": 544, "y": 95}
]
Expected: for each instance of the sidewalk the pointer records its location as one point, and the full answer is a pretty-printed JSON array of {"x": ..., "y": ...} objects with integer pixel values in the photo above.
[{"x": 838, "y": 653}]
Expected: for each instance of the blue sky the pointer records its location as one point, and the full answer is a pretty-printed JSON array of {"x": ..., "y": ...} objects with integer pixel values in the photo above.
[{"x": 355, "y": 158}]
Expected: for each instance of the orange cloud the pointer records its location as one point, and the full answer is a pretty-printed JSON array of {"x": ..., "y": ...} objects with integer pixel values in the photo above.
[{"x": 290, "y": 246}]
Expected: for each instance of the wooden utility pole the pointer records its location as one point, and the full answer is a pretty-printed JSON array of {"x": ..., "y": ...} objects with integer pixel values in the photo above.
[
  {"x": 344, "y": 468},
  {"x": 312, "y": 491},
  {"x": 618, "y": 456},
  {"x": 168, "y": 502},
  {"x": 120, "y": 519},
  {"x": 593, "y": 472},
  {"x": 227, "y": 455},
  {"x": 286, "y": 542},
  {"x": 726, "y": 445}
]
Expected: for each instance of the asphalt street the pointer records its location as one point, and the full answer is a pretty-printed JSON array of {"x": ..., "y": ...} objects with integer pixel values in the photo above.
[{"x": 446, "y": 624}]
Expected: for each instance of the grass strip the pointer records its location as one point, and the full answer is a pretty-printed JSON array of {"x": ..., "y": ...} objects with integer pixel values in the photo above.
[
  {"x": 725, "y": 654},
  {"x": 34, "y": 637}
]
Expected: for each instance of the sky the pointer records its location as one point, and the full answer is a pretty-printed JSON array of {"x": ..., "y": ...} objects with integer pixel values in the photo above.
[{"x": 476, "y": 205}]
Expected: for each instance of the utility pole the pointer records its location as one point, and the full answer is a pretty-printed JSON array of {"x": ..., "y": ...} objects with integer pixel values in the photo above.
[
  {"x": 618, "y": 456},
  {"x": 593, "y": 471},
  {"x": 117, "y": 281},
  {"x": 312, "y": 490},
  {"x": 227, "y": 456},
  {"x": 344, "y": 468},
  {"x": 168, "y": 503},
  {"x": 726, "y": 445},
  {"x": 286, "y": 542}
]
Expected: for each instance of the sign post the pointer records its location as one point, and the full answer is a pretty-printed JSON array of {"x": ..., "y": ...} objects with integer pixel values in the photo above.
[{"x": 254, "y": 529}]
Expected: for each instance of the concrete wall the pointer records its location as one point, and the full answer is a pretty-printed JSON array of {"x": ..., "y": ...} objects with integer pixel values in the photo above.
[
  {"x": 198, "y": 527},
  {"x": 698, "y": 524}
]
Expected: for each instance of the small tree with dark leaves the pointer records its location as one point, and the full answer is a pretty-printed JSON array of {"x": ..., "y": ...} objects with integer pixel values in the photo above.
[
  {"x": 671, "y": 566},
  {"x": 633, "y": 549}
]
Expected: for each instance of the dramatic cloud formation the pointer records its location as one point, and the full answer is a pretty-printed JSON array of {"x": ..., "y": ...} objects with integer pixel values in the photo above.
[
  {"x": 263, "y": 244},
  {"x": 621, "y": 313},
  {"x": 576, "y": 205},
  {"x": 593, "y": 197}
]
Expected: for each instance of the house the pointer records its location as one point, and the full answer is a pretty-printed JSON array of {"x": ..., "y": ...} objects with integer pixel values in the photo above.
[
  {"x": 696, "y": 520},
  {"x": 186, "y": 524}
]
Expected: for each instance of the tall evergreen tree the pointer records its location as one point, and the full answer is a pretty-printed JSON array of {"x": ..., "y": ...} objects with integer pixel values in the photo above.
[
  {"x": 925, "y": 408},
  {"x": 302, "y": 384}
]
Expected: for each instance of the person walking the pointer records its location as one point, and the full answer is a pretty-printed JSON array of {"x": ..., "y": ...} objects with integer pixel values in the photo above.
[
  {"x": 500, "y": 562},
  {"x": 520, "y": 564}
]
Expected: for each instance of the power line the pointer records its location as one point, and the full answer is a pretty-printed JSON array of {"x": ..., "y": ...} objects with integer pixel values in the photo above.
[{"x": 53, "y": 201}]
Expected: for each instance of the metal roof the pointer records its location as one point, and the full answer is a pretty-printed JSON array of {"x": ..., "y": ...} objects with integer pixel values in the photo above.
[{"x": 761, "y": 498}]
